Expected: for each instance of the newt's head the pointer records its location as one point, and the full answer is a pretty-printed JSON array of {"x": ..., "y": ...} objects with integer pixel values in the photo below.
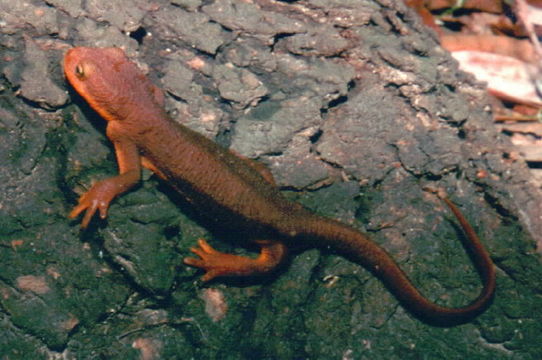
[{"x": 107, "y": 80}]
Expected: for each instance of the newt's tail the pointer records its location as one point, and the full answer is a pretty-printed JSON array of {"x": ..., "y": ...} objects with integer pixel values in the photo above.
[{"x": 357, "y": 247}]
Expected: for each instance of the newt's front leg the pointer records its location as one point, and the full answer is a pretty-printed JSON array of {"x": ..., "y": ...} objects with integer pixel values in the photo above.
[
  {"x": 103, "y": 192},
  {"x": 218, "y": 264}
]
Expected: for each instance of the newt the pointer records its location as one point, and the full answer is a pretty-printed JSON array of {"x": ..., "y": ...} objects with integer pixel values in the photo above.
[{"x": 234, "y": 192}]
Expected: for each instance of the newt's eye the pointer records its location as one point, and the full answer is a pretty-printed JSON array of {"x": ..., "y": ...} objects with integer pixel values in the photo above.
[{"x": 80, "y": 71}]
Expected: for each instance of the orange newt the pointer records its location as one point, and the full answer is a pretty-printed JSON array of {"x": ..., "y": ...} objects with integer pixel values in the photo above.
[{"x": 236, "y": 192}]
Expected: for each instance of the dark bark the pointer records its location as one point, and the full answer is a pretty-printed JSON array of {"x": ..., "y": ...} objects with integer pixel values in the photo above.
[{"x": 354, "y": 107}]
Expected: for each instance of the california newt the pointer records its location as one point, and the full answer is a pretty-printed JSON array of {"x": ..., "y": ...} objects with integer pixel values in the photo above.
[{"x": 230, "y": 189}]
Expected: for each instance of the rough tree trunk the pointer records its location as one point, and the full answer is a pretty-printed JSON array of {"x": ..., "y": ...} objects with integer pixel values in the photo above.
[{"x": 353, "y": 106}]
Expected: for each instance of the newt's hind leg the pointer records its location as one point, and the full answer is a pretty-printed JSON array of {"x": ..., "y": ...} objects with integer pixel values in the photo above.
[
  {"x": 262, "y": 169},
  {"x": 218, "y": 264},
  {"x": 259, "y": 167}
]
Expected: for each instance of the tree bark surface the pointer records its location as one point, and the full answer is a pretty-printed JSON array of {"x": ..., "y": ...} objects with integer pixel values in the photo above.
[{"x": 355, "y": 109}]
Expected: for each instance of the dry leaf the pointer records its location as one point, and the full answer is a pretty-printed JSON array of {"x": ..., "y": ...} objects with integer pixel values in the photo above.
[{"x": 506, "y": 77}]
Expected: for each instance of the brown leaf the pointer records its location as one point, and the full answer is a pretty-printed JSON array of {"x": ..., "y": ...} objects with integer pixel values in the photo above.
[
  {"x": 506, "y": 77},
  {"x": 502, "y": 45},
  {"x": 492, "y": 6}
]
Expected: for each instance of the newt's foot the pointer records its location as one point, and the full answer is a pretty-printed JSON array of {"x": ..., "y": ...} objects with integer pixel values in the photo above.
[
  {"x": 96, "y": 199},
  {"x": 217, "y": 264}
]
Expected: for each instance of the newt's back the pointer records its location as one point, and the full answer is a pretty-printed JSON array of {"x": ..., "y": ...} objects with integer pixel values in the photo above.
[{"x": 217, "y": 181}]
